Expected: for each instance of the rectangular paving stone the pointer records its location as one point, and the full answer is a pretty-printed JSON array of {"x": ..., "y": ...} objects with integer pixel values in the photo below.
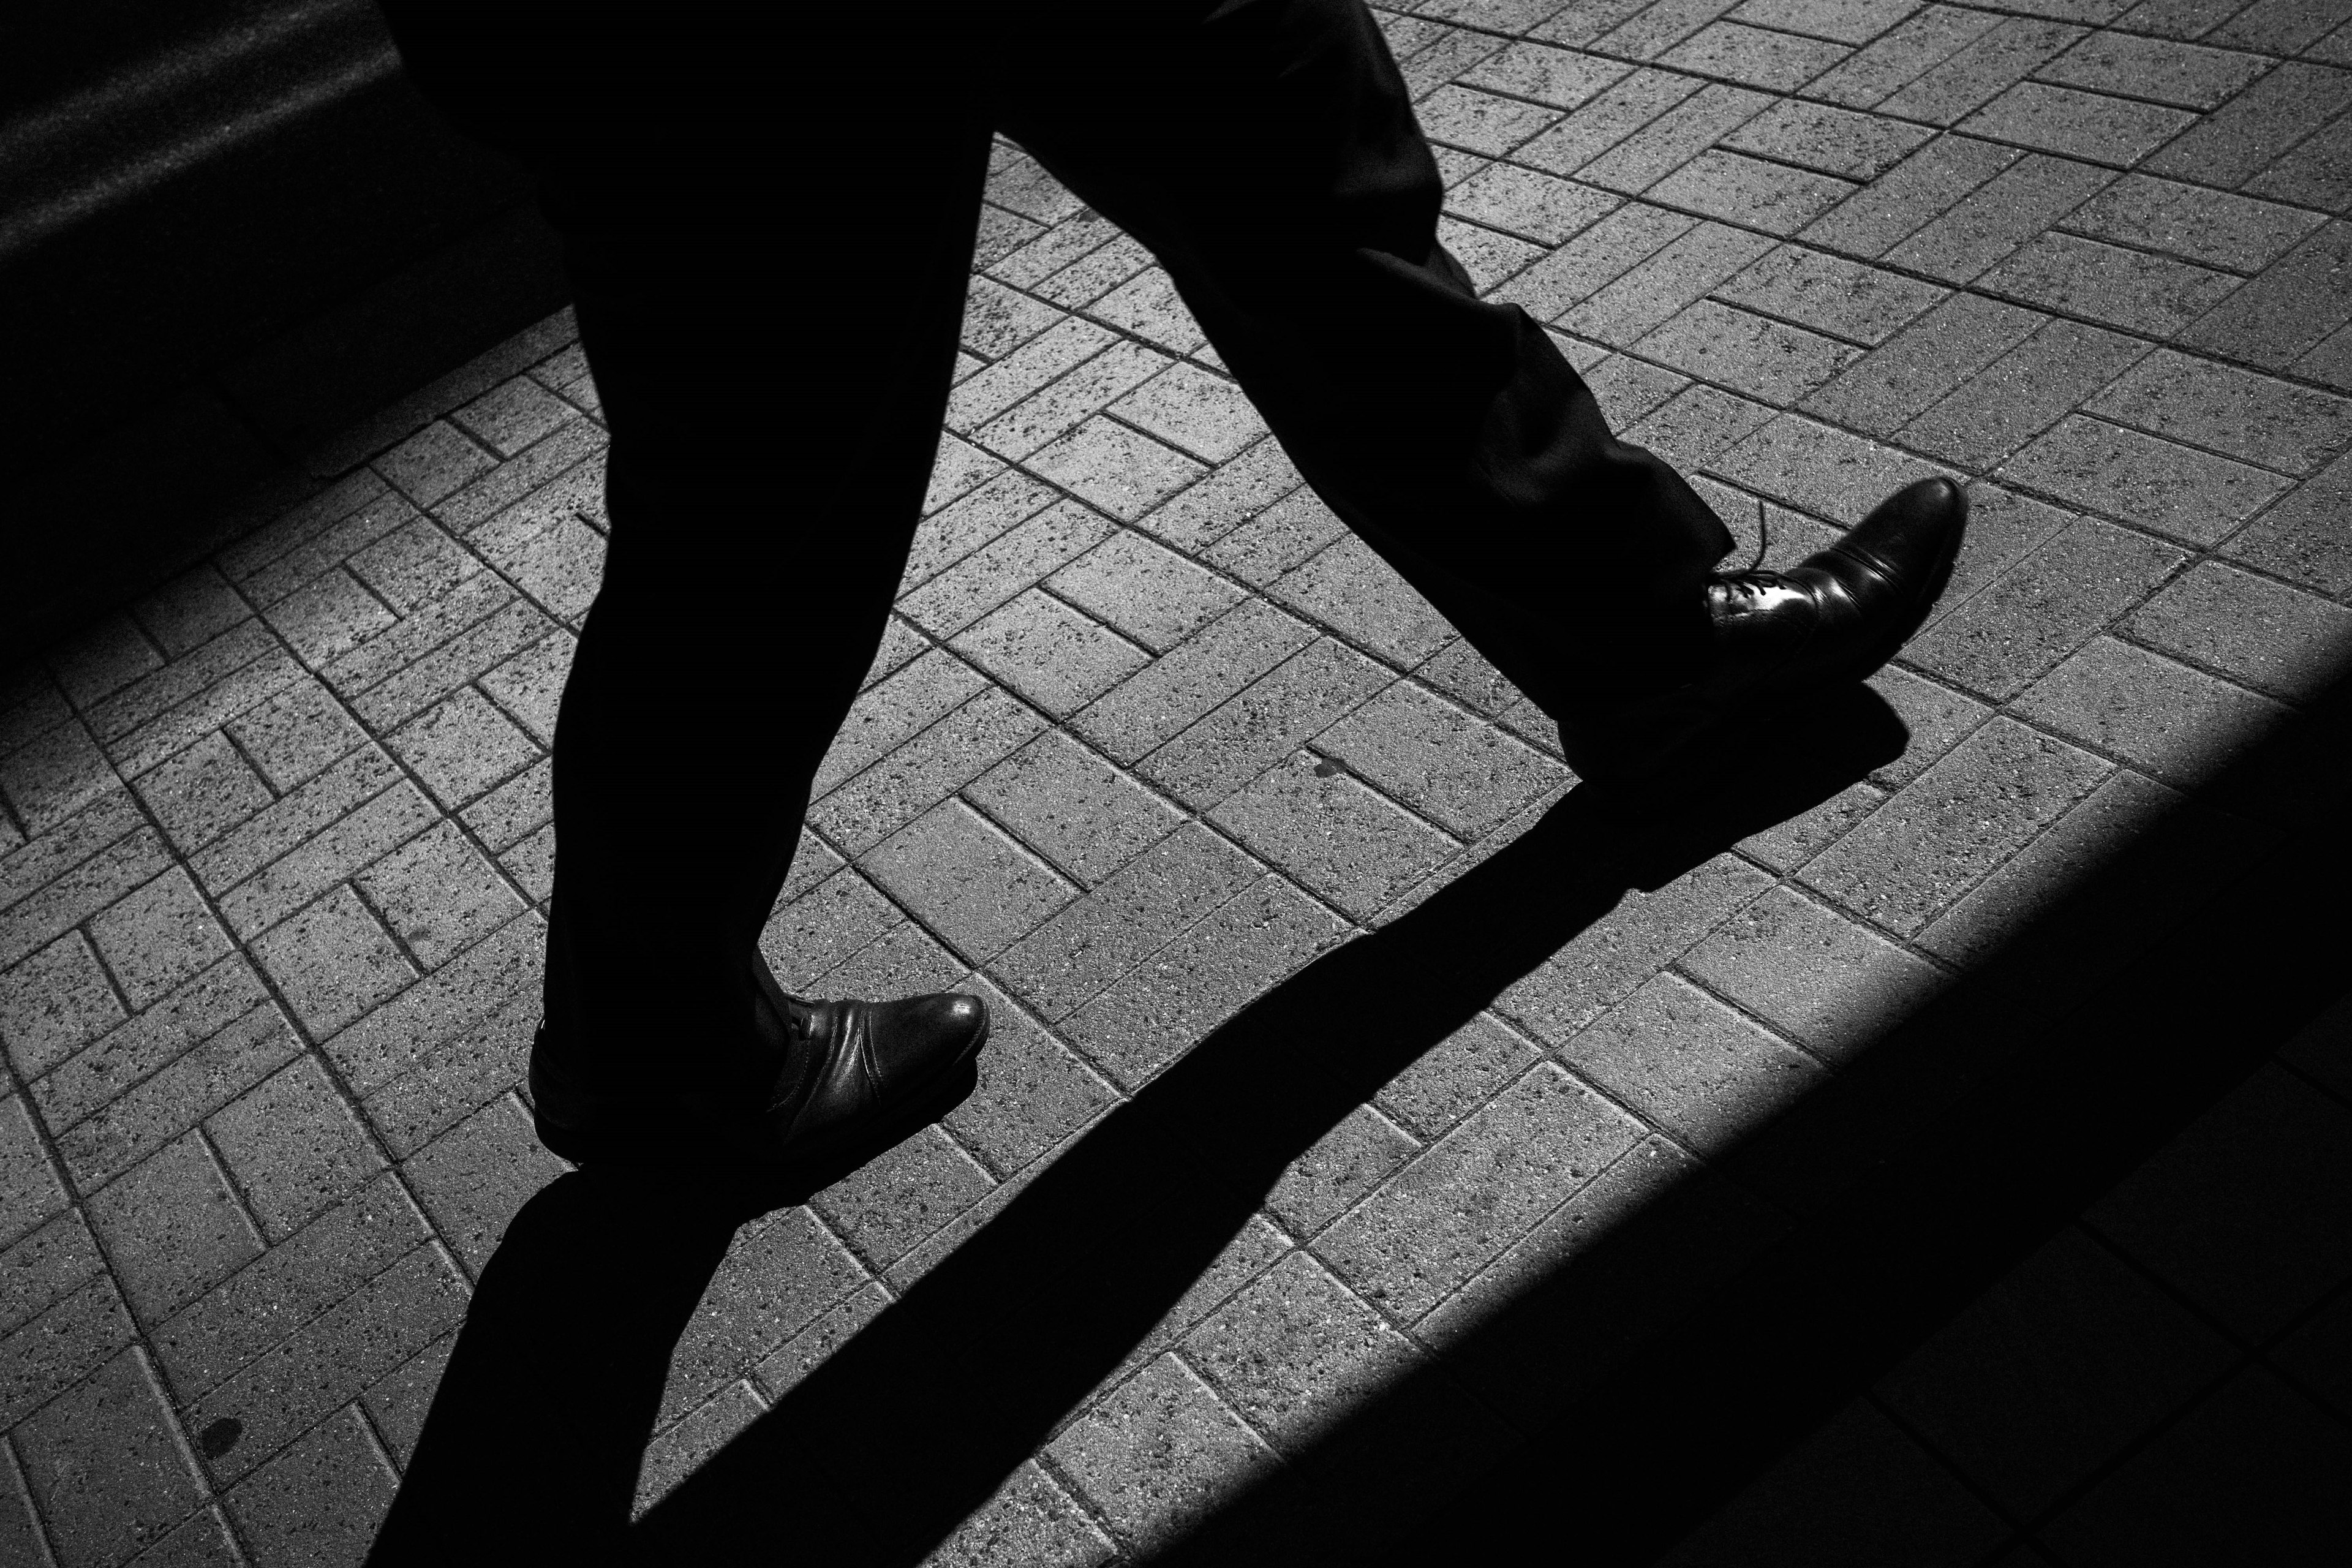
[
  {"x": 1820, "y": 468},
  {"x": 781, "y": 1272},
  {"x": 159, "y": 738},
  {"x": 288, "y": 1287},
  {"x": 1456, "y": 116},
  {"x": 1350, "y": 589},
  {"x": 1908, "y": 196},
  {"x": 1160, "y": 1454},
  {"x": 445, "y": 671},
  {"x": 123, "y": 1056},
  {"x": 963, "y": 877},
  {"x": 1279, "y": 539},
  {"x": 877, "y": 802},
  {"x": 2020, "y": 394},
  {"x": 1765, "y": 359},
  {"x": 1829, "y": 139},
  {"x": 2126, "y": 288},
  {"x": 294, "y": 1145},
  {"x": 1135, "y": 910},
  {"x": 995, "y": 572},
  {"x": 77, "y": 891},
  {"x": 158, "y": 936},
  {"x": 1163, "y": 1008},
  {"x": 2301, "y": 538},
  {"x": 61, "y": 1347},
  {"x": 1456, "y": 1076},
  {"x": 109, "y": 1471},
  {"x": 296, "y": 734},
  {"x": 1528, "y": 203},
  {"x": 887, "y": 714},
  {"x": 127, "y": 1128},
  {"x": 473, "y": 602},
  {"x": 2142, "y": 479},
  {"x": 28, "y": 1182},
  {"x": 378, "y": 826},
  {"x": 1980, "y": 69},
  {"x": 1999, "y": 217},
  {"x": 1206, "y": 415},
  {"x": 454, "y": 1078},
  {"x": 411, "y": 564},
  {"x": 1830, "y": 985},
  {"x": 1686, "y": 270},
  {"x": 2174, "y": 722},
  {"x": 472, "y": 1178},
  {"x": 1339, "y": 1168},
  {"x": 2170, "y": 72},
  {"x": 49, "y": 779},
  {"x": 265, "y": 582},
  {"x": 1463, "y": 775},
  {"x": 1930, "y": 844},
  {"x": 332, "y": 962},
  {"x": 1750, "y": 192},
  {"x": 1033, "y": 1092},
  {"x": 1601, "y": 255},
  {"x": 462, "y": 746},
  {"x": 1526, "y": 69},
  {"x": 1894, "y": 384},
  {"x": 1264, "y": 722},
  {"x": 1073, "y": 807},
  {"x": 1334, "y": 836},
  {"x": 2093, "y": 126},
  {"x": 1200, "y": 514},
  {"x": 1148, "y": 593},
  {"x": 1654, "y": 29},
  {"x": 1295, "y": 1351},
  {"x": 2211, "y": 227},
  {"x": 1053, "y": 655},
  {"x": 42, "y": 1266},
  {"x": 2238, "y": 413},
  {"x": 1698, "y": 424},
  {"x": 326, "y": 1493},
  {"x": 2319, "y": 172},
  {"x": 451, "y": 999},
  {"x": 1607, "y": 961},
  {"x": 302, "y": 521},
  {"x": 810, "y": 933},
  {"x": 1938, "y": 717},
  {"x": 1120, "y": 470},
  {"x": 2239, "y": 139},
  {"x": 172, "y": 1227},
  {"x": 54, "y": 1003},
  {"x": 1686, "y": 1062},
  {"x": 1774, "y": 62},
  {"x": 1999, "y": 641},
  {"x": 2288, "y": 644},
  {"x": 1058, "y": 407},
  {"x": 328, "y": 616},
  {"x": 897, "y": 1200},
  {"x": 1913, "y": 47},
  {"x": 2296, "y": 302},
  {"x": 1476, "y": 1191}
]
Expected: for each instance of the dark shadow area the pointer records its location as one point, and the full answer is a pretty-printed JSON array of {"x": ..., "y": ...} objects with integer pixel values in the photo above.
[{"x": 879, "y": 1453}]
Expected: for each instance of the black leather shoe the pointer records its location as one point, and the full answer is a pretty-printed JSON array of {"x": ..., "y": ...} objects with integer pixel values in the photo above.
[
  {"x": 849, "y": 1075},
  {"x": 1783, "y": 637}
]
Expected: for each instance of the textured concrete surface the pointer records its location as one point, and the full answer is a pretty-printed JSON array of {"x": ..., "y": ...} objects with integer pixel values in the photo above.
[{"x": 1151, "y": 732}]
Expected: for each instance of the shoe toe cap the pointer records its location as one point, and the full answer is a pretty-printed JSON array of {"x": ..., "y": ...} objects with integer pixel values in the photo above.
[{"x": 923, "y": 1034}]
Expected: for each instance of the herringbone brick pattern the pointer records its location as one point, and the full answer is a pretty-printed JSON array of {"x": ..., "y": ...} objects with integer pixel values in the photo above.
[{"x": 1152, "y": 731}]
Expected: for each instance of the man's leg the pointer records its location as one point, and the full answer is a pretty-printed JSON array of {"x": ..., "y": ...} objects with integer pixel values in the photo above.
[{"x": 1267, "y": 153}]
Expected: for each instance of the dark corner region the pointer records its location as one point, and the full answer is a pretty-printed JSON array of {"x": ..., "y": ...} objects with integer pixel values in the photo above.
[{"x": 229, "y": 229}]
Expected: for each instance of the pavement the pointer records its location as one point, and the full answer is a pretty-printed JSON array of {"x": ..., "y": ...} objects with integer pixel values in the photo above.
[{"x": 1151, "y": 733}]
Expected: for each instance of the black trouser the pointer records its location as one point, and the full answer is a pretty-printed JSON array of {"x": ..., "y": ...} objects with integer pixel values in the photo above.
[{"x": 769, "y": 240}]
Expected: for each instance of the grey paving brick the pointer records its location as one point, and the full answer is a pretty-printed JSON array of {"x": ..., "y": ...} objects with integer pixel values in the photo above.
[
  {"x": 1160, "y": 1454},
  {"x": 1120, "y": 470},
  {"x": 678, "y": 1452},
  {"x": 1699, "y": 425},
  {"x": 1200, "y": 514},
  {"x": 876, "y": 803},
  {"x": 2152, "y": 483},
  {"x": 1476, "y": 1191},
  {"x": 2031, "y": 882},
  {"x": 1054, "y": 656},
  {"x": 332, "y": 962},
  {"x": 1788, "y": 844},
  {"x": 396, "y": 1402},
  {"x": 1355, "y": 593},
  {"x": 1204, "y": 414},
  {"x": 106, "y": 1466},
  {"x": 1908, "y": 196},
  {"x": 899, "y": 707},
  {"x": 1914, "y": 47},
  {"x": 810, "y": 934},
  {"x": 453, "y": 1078},
  {"x": 804, "y": 1352},
  {"x": 2319, "y": 172},
  {"x": 1060, "y": 407},
  {"x": 172, "y": 1227},
  {"x": 2236, "y": 412},
  {"x": 1032, "y": 263},
  {"x": 2212, "y": 227},
  {"x": 1686, "y": 270},
  {"x": 1830, "y": 985},
  {"x": 125, "y": 1128},
  {"x": 86, "y": 1079},
  {"x": 1829, "y": 139},
  {"x": 778, "y": 1275},
  {"x": 433, "y": 463},
  {"x": 328, "y": 616},
  {"x": 1657, "y": 27},
  {"x": 1980, "y": 69},
  {"x": 27, "y": 1180},
  {"x": 2237, "y": 141},
  {"x": 1936, "y": 716},
  {"x": 1150, "y": 593},
  {"x": 2172, "y": 720},
  {"x": 561, "y": 475},
  {"x": 360, "y": 492},
  {"x": 322, "y": 1498},
  {"x": 1279, "y": 539},
  {"x": 1605, "y": 116},
  {"x": 1264, "y": 722},
  {"x": 54, "y": 1003},
  {"x": 2022, "y": 393},
  {"x": 1488, "y": 258},
  {"x": 1823, "y": 469},
  {"x": 967, "y": 880},
  {"x": 1137, "y": 910},
  {"x": 1685, "y": 1061},
  {"x": 445, "y": 670},
  {"x": 1609, "y": 959},
  {"x": 39, "y": 1269},
  {"x": 74, "y": 892},
  {"x": 1149, "y": 306},
  {"x": 288, "y": 1287},
  {"x": 103, "y": 659},
  {"x": 1750, "y": 192},
  {"x": 2176, "y": 73},
  {"x": 438, "y": 894},
  {"x": 558, "y": 561},
  {"x": 1070, "y": 805},
  {"x": 295, "y": 735},
  {"x": 2301, "y": 538},
  {"x": 1465, "y": 776},
  {"x": 1628, "y": 389},
  {"x": 1845, "y": 21},
  {"x": 1334, "y": 836},
  {"x": 413, "y": 564},
  {"x": 1339, "y": 1168},
  {"x": 373, "y": 830},
  {"x": 61, "y": 1347},
  {"x": 1910, "y": 859},
  {"x": 462, "y": 746},
  {"x": 1464, "y": 117},
  {"x": 1528, "y": 203},
  {"x": 2107, "y": 283},
  {"x": 1894, "y": 384},
  {"x": 1755, "y": 355},
  {"x": 1605, "y": 252},
  {"x": 2297, "y": 301},
  {"x": 1033, "y": 1092},
  {"x": 2093, "y": 126},
  {"x": 1164, "y": 1007},
  {"x": 1994, "y": 222},
  {"x": 1030, "y": 1520},
  {"x": 479, "y": 599},
  {"x": 473, "y": 1177},
  {"x": 895, "y": 1200},
  {"x": 1525, "y": 69},
  {"x": 995, "y": 572},
  {"x": 49, "y": 779},
  {"x": 1775, "y": 61},
  {"x": 157, "y": 937},
  {"x": 294, "y": 1146},
  {"x": 2288, "y": 644}
]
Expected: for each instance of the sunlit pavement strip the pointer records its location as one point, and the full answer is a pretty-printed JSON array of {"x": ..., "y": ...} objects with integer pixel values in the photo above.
[{"x": 1151, "y": 724}]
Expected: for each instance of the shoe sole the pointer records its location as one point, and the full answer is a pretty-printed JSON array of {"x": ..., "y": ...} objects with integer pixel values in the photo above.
[{"x": 690, "y": 1146}]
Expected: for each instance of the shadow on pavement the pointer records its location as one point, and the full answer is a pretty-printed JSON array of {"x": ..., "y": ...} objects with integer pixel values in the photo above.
[{"x": 534, "y": 1438}]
